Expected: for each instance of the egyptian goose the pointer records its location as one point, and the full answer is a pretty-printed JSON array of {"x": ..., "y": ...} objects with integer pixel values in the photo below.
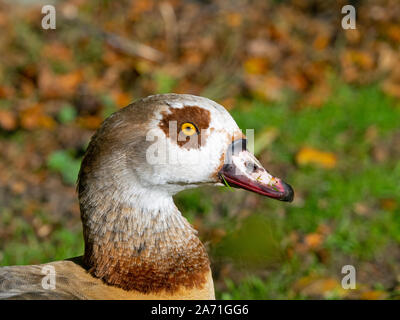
[{"x": 137, "y": 243}]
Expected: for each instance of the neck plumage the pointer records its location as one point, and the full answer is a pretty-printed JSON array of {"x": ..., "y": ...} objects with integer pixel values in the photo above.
[{"x": 141, "y": 241}]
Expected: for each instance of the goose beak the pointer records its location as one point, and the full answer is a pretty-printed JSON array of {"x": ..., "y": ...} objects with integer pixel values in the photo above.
[{"x": 242, "y": 170}]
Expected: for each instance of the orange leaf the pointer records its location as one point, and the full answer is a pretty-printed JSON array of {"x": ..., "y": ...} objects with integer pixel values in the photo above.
[
  {"x": 316, "y": 286},
  {"x": 90, "y": 122},
  {"x": 313, "y": 240},
  {"x": 18, "y": 187},
  {"x": 57, "y": 51},
  {"x": 256, "y": 65},
  {"x": 388, "y": 204},
  {"x": 323, "y": 159},
  {"x": 391, "y": 87},
  {"x": 34, "y": 118},
  {"x": 362, "y": 58},
  {"x": 6, "y": 92},
  {"x": 373, "y": 295},
  {"x": 394, "y": 32},
  {"x": 321, "y": 42},
  {"x": 53, "y": 86},
  {"x": 8, "y": 120},
  {"x": 233, "y": 19},
  {"x": 121, "y": 99},
  {"x": 228, "y": 103}
]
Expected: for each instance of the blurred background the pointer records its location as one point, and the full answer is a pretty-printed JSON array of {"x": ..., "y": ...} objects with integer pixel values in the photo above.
[{"x": 324, "y": 103}]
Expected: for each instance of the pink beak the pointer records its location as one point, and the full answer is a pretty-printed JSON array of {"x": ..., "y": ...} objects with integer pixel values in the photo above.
[{"x": 243, "y": 170}]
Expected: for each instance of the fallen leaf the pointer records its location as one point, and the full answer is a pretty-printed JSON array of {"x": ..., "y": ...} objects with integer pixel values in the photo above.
[
  {"x": 57, "y": 51},
  {"x": 393, "y": 32},
  {"x": 379, "y": 153},
  {"x": 8, "y": 120},
  {"x": 266, "y": 87},
  {"x": 361, "y": 58},
  {"x": 256, "y": 65},
  {"x": 139, "y": 7},
  {"x": 317, "y": 95},
  {"x": 373, "y": 295},
  {"x": 313, "y": 240},
  {"x": 362, "y": 209},
  {"x": 228, "y": 103},
  {"x": 388, "y": 204},
  {"x": 391, "y": 87},
  {"x": 121, "y": 99},
  {"x": 233, "y": 19},
  {"x": 317, "y": 286},
  {"x": 44, "y": 230},
  {"x": 52, "y": 86},
  {"x": 298, "y": 81},
  {"x": 308, "y": 155},
  {"x": 34, "y": 118},
  {"x": 6, "y": 92},
  {"x": 90, "y": 122},
  {"x": 18, "y": 187},
  {"x": 321, "y": 42}
]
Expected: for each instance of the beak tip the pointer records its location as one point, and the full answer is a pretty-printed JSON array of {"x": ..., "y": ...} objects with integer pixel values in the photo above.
[{"x": 289, "y": 193}]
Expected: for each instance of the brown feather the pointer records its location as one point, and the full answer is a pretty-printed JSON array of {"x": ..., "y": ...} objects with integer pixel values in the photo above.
[{"x": 74, "y": 282}]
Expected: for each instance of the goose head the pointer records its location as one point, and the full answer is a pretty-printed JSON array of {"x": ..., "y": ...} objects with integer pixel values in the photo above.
[
  {"x": 142, "y": 155},
  {"x": 171, "y": 142}
]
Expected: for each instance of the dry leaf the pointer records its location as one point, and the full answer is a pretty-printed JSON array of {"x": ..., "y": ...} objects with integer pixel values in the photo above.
[
  {"x": 139, "y": 7},
  {"x": 34, "y": 118},
  {"x": 228, "y": 103},
  {"x": 393, "y": 32},
  {"x": 8, "y": 120},
  {"x": 18, "y": 187},
  {"x": 256, "y": 65},
  {"x": 362, "y": 58},
  {"x": 316, "y": 286},
  {"x": 313, "y": 240},
  {"x": 298, "y": 81},
  {"x": 389, "y": 204},
  {"x": 266, "y": 87},
  {"x": 313, "y": 156},
  {"x": 121, "y": 99},
  {"x": 6, "y": 92},
  {"x": 90, "y": 122},
  {"x": 391, "y": 87},
  {"x": 373, "y": 295},
  {"x": 57, "y": 51},
  {"x": 44, "y": 230},
  {"x": 321, "y": 42},
  {"x": 317, "y": 95},
  {"x": 362, "y": 209},
  {"x": 233, "y": 19},
  {"x": 52, "y": 86}
]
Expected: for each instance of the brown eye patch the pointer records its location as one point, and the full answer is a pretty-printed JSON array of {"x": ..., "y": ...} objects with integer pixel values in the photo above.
[{"x": 197, "y": 116}]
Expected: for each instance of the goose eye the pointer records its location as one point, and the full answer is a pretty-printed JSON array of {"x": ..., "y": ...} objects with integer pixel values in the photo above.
[{"x": 188, "y": 129}]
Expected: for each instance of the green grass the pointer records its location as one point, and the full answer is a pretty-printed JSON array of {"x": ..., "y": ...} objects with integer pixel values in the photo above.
[
  {"x": 63, "y": 161},
  {"x": 25, "y": 247}
]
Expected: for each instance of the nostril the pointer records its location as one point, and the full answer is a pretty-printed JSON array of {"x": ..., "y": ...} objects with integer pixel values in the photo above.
[{"x": 251, "y": 166}]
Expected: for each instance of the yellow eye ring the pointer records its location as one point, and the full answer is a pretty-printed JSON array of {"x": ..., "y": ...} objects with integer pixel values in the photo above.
[{"x": 188, "y": 129}]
